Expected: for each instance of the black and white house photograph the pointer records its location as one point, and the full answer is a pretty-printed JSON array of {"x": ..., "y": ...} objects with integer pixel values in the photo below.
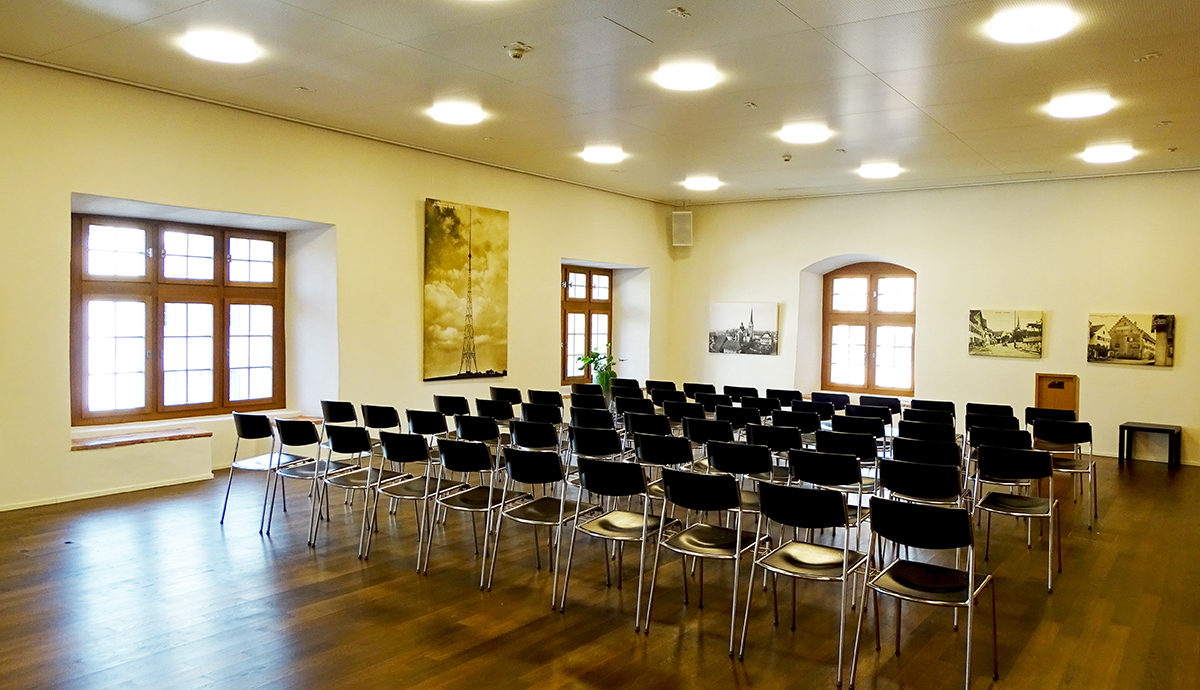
[
  {"x": 1005, "y": 334},
  {"x": 744, "y": 328},
  {"x": 1147, "y": 339}
]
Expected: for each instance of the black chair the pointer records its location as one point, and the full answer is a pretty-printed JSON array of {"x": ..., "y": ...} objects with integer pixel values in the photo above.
[
  {"x": 860, "y": 445},
  {"x": 701, "y": 431},
  {"x": 404, "y": 449},
  {"x": 1032, "y": 414},
  {"x": 349, "y": 475},
  {"x": 1001, "y": 438},
  {"x": 252, "y": 427},
  {"x": 677, "y": 411},
  {"x": 451, "y": 405},
  {"x": 704, "y": 493},
  {"x": 1060, "y": 437},
  {"x": 808, "y": 509},
  {"x": 806, "y": 422},
  {"x": 614, "y": 481},
  {"x": 744, "y": 461},
  {"x": 926, "y": 431},
  {"x": 296, "y": 433},
  {"x": 739, "y": 417},
  {"x": 823, "y": 410},
  {"x": 691, "y": 389},
  {"x": 476, "y": 428},
  {"x": 763, "y": 405},
  {"x": 1013, "y": 468},
  {"x": 591, "y": 402},
  {"x": 927, "y": 452},
  {"x": 989, "y": 409},
  {"x": 656, "y": 451},
  {"x": 532, "y": 468},
  {"x": 928, "y": 416},
  {"x": 499, "y": 410},
  {"x": 537, "y": 412},
  {"x": 873, "y": 426},
  {"x": 336, "y": 413},
  {"x": 893, "y": 404},
  {"x": 379, "y": 417},
  {"x": 534, "y": 435},
  {"x": 509, "y": 395},
  {"x": 783, "y": 395},
  {"x": 537, "y": 397},
  {"x": 878, "y": 411},
  {"x": 656, "y": 424},
  {"x": 924, "y": 527},
  {"x": 839, "y": 400},
  {"x": 604, "y": 444},
  {"x": 991, "y": 421},
  {"x": 469, "y": 458},
  {"x": 660, "y": 385},
  {"x": 626, "y": 383},
  {"x": 939, "y": 405},
  {"x": 917, "y": 482},
  {"x": 780, "y": 439},
  {"x": 428, "y": 423},
  {"x": 710, "y": 401},
  {"x": 592, "y": 419},
  {"x": 638, "y": 405},
  {"x": 739, "y": 392},
  {"x": 661, "y": 396},
  {"x": 587, "y": 389},
  {"x": 627, "y": 392},
  {"x": 838, "y": 472}
]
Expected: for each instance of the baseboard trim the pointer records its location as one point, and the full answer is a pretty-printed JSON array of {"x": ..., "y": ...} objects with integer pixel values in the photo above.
[{"x": 106, "y": 492}]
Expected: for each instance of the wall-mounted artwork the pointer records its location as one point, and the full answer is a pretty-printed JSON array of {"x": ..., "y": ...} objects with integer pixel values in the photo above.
[
  {"x": 744, "y": 328},
  {"x": 1005, "y": 333},
  {"x": 1147, "y": 339},
  {"x": 466, "y": 291}
]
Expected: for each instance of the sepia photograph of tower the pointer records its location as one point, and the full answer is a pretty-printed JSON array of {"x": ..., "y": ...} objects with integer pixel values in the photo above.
[{"x": 466, "y": 291}]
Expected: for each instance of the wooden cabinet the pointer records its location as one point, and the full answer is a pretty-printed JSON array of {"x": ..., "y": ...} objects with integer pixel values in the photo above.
[{"x": 1057, "y": 391}]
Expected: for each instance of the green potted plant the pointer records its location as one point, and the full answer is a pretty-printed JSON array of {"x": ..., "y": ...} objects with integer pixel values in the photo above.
[{"x": 603, "y": 369}]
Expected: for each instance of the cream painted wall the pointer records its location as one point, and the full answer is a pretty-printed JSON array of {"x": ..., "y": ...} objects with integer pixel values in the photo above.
[
  {"x": 1067, "y": 248},
  {"x": 62, "y": 133}
]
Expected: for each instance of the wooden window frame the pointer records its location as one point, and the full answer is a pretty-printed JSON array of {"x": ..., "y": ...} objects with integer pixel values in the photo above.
[
  {"x": 872, "y": 318},
  {"x": 156, "y": 291},
  {"x": 587, "y": 306}
]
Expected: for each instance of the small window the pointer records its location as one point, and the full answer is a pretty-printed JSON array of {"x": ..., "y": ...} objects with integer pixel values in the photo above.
[
  {"x": 586, "y": 318},
  {"x": 115, "y": 251},
  {"x": 251, "y": 261},
  {"x": 870, "y": 318},
  {"x": 188, "y": 255},
  {"x": 116, "y": 355}
]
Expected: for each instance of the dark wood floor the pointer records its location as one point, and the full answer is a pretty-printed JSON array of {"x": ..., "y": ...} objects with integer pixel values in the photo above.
[{"x": 146, "y": 590}]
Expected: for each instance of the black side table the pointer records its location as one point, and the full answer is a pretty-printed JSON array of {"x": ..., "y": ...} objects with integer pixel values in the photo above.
[{"x": 1174, "y": 434}]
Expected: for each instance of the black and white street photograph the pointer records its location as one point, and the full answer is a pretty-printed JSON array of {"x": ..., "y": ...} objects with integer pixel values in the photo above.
[{"x": 1005, "y": 334}]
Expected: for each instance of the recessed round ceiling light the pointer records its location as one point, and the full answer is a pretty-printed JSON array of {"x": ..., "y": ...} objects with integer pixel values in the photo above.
[
  {"x": 456, "y": 113},
  {"x": 878, "y": 171},
  {"x": 1108, "y": 153},
  {"x": 687, "y": 76},
  {"x": 1032, "y": 24},
  {"x": 603, "y": 154},
  {"x": 220, "y": 46},
  {"x": 808, "y": 133},
  {"x": 702, "y": 184},
  {"x": 1086, "y": 104}
]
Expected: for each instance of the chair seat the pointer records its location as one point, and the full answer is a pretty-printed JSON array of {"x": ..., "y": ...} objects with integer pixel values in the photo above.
[
  {"x": 708, "y": 541},
  {"x": 474, "y": 499},
  {"x": 750, "y": 501},
  {"x": 414, "y": 488},
  {"x": 809, "y": 561},
  {"x": 307, "y": 470},
  {"x": 1015, "y": 504},
  {"x": 926, "y": 583},
  {"x": 621, "y": 525},
  {"x": 1071, "y": 465},
  {"x": 264, "y": 462},
  {"x": 1039, "y": 444},
  {"x": 778, "y": 475},
  {"x": 655, "y": 490},
  {"x": 361, "y": 478},
  {"x": 543, "y": 510}
]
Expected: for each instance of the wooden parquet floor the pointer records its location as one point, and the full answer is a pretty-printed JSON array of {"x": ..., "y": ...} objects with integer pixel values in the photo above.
[{"x": 147, "y": 590}]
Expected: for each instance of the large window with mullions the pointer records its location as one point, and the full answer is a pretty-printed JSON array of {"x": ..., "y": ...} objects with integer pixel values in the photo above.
[
  {"x": 869, "y": 323},
  {"x": 173, "y": 320}
]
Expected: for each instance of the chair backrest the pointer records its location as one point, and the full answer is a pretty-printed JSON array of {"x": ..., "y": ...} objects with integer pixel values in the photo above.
[
  {"x": 1013, "y": 464},
  {"x": 544, "y": 397},
  {"x": 779, "y": 439},
  {"x": 691, "y": 389},
  {"x": 927, "y": 452},
  {"x": 535, "y": 435},
  {"x": 823, "y": 410},
  {"x": 592, "y": 419},
  {"x": 660, "y": 396},
  {"x": 660, "y": 385},
  {"x": 859, "y": 425},
  {"x": 913, "y": 414},
  {"x": 988, "y": 408},
  {"x": 638, "y": 405},
  {"x": 739, "y": 417},
  {"x": 476, "y": 428},
  {"x": 592, "y": 402},
  {"x": 251, "y": 426},
  {"x": 652, "y": 449},
  {"x": 765, "y": 405},
  {"x": 1001, "y": 438},
  {"x": 626, "y": 383},
  {"x": 657, "y": 424},
  {"x": 533, "y": 466},
  {"x": 806, "y": 422},
  {"x": 919, "y": 481},
  {"x": 451, "y": 405},
  {"x": 677, "y": 411},
  {"x": 705, "y": 430},
  {"x": 739, "y": 458},
  {"x": 739, "y": 392},
  {"x": 350, "y": 440},
  {"x": 824, "y": 469},
  {"x": 889, "y": 402},
  {"x": 877, "y": 411},
  {"x": 427, "y": 422},
  {"x": 535, "y": 412},
  {"x": 1057, "y": 431},
  {"x": 710, "y": 401},
  {"x": 992, "y": 421},
  {"x": 499, "y": 410},
  {"x": 926, "y": 431},
  {"x": 403, "y": 448},
  {"x": 1032, "y": 414},
  {"x": 921, "y": 526},
  {"x": 839, "y": 400},
  {"x": 613, "y": 479},
  {"x": 464, "y": 456},
  {"x": 595, "y": 442},
  {"x": 587, "y": 389},
  {"x": 380, "y": 417},
  {"x": 338, "y": 412},
  {"x": 624, "y": 391},
  {"x": 296, "y": 432},
  {"x": 801, "y": 507},
  {"x": 704, "y": 492},
  {"x": 942, "y": 405},
  {"x": 783, "y": 395},
  {"x": 510, "y": 395},
  {"x": 861, "y": 446}
]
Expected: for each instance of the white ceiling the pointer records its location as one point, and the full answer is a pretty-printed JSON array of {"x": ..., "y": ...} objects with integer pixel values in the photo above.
[{"x": 915, "y": 81}]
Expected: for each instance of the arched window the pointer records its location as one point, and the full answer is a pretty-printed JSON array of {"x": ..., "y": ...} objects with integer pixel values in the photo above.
[{"x": 869, "y": 325}]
